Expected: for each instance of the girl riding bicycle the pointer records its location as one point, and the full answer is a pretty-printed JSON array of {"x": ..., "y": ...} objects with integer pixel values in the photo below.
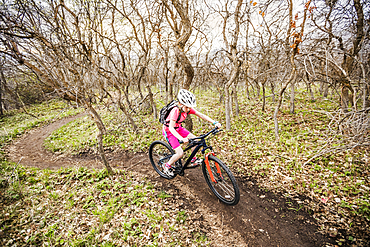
[{"x": 173, "y": 131}]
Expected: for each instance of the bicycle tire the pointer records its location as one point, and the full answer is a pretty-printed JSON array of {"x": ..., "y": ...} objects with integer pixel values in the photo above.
[
  {"x": 159, "y": 153},
  {"x": 226, "y": 189}
]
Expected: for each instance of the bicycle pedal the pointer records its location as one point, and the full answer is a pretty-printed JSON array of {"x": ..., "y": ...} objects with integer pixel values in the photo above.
[{"x": 177, "y": 169}]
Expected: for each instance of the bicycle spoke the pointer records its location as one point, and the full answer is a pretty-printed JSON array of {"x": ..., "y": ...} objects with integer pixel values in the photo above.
[
  {"x": 159, "y": 154},
  {"x": 223, "y": 186},
  {"x": 227, "y": 189}
]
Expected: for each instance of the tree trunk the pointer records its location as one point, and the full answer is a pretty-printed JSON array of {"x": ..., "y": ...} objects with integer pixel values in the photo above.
[
  {"x": 365, "y": 94},
  {"x": 247, "y": 89},
  {"x": 222, "y": 96},
  {"x": 258, "y": 91},
  {"x": 227, "y": 108},
  {"x": 292, "y": 77},
  {"x": 141, "y": 74},
  {"x": 326, "y": 89},
  {"x": 127, "y": 96},
  {"x": 231, "y": 97},
  {"x": 236, "y": 100},
  {"x": 170, "y": 92},
  {"x": 273, "y": 91},
  {"x": 186, "y": 28},
  {"x": 321, "y": 88},
  {"x": 189, "y": 123},
  {"x": 123, "y": 108},
  {"x": 264, "y": 94},
  {"x": 2, "y": 80},
  {"x": 154, "y": 107},
  {"x": 188, "y": 68},
  {"x": 344, "y": 98},
  {"x": 8, "y": 90},
  {"x": 308, "y": 83},
  {"x": 101, "y": 128},
  {"x": 292, "y": 97}
]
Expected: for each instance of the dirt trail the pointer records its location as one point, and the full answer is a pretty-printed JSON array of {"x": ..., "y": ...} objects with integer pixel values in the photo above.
[{"x": 260, "y": 219}]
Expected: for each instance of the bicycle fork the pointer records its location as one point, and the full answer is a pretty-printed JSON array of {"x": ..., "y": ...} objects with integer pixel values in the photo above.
[{"x": 209, "y": 168}]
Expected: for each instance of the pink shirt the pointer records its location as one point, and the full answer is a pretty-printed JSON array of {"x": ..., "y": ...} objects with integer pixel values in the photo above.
[{"x": 174, "y": 114}]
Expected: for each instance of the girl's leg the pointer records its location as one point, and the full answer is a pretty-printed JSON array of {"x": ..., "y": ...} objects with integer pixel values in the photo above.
[
  {"x": 179, "y": 153},
  {"x": 175, "y": 145},
  {"x": 195, "y": 161},
  {"x": 189, "y": 137}
]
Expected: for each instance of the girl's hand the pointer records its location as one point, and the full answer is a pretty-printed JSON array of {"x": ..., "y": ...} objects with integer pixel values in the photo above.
[
  {"x": 218, "y": 125},
  {"x": 185, "y": 140}
]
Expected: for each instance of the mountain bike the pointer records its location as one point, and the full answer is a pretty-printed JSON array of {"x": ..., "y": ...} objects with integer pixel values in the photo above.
[{"x": 217, "y": 175}]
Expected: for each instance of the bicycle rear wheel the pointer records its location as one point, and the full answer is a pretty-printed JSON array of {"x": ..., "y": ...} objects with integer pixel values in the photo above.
[
  {"x": 225, "y": 186},
  {"x": 159, "y": 153}
]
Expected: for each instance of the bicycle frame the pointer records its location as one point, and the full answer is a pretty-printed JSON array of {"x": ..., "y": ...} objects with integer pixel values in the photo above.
[{"x": 198, "y": 145}]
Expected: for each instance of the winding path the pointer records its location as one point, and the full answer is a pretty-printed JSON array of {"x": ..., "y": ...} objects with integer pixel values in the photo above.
[{"x": 260, "y": 219}]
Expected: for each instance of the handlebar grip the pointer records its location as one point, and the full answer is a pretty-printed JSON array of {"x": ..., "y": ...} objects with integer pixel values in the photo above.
[{"x": 181, "y": 142}]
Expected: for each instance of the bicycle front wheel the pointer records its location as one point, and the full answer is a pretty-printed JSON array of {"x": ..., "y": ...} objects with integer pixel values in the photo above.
[
  {"x": 223, "y": 183},
  {"x": 160, "y": 153}
]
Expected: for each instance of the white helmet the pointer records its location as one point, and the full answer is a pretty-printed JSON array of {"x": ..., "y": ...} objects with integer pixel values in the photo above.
[{"x": 186, "y": 98}]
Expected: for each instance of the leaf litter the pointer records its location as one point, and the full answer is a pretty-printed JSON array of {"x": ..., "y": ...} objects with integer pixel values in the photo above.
[{"x": 78, "y": 206}]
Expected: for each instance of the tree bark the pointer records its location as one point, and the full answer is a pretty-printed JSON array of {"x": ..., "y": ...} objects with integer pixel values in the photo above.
[
  {"x": 344, "y": 98},
  {"x": 123, "y": 108},
  {"x": 101, "y": 132},
  {"x": 292, "y": 97},
  {"x": 2, "y": 81},
  {"x": 280, "y": 99},
  {"x": 264, "y": 93},
  {"x": 326, "y": 89},
  {"x": 273, "y": 91},
  {"x": 236, "y": 100},
  {"x": 308, "y": 83},
  {"x": 227, "y": 108},
  {"x": 152, "y": 103},
  {"x": 232, "y": 54},
  {"x": 181, "y": 42}
]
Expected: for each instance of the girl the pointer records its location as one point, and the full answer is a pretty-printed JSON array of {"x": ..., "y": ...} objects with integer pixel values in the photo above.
[{"x": 173, "y": 131}]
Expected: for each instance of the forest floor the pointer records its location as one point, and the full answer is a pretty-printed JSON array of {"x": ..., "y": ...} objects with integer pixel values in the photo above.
[{"x": 261, "y": 218}]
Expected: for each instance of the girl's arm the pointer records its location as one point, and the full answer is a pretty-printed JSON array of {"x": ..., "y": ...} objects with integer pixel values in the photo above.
[{"x": 206, "y": 118}]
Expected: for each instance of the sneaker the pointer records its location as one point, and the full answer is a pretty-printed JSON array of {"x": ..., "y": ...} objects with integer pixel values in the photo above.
[
  {"x": 196, "y": 162},
  {"x": 167, "y": 169}
]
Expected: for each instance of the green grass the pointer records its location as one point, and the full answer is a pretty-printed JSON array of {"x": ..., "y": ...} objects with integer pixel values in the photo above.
[
  {"x": 249, "y": 148},
  {"x": 16, "y": 122},
  {"x": 78, "y": 206},
  {"x": 80, "y": 135}
]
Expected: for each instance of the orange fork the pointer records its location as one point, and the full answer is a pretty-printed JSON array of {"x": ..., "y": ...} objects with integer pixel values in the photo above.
[{"x": 209, "y": 167}]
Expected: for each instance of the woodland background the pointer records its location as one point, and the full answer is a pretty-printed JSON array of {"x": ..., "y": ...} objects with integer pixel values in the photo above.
[{"x": 260, "y": 66}]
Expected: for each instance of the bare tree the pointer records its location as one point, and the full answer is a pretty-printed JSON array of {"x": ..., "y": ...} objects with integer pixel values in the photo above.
[
  {"x": 341, "y": 52},
  {"x": 182, "y": 32},
  {"x": 57, "y": 44},
  {"x": 291, "y": 51}
]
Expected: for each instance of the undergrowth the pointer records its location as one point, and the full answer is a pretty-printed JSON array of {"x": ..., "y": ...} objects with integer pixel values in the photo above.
[
  {"x": 335, "y": 188},
  {"x": 79, "y": 206},
  {"x": 334, "y": 183},
  {"x": 83, "y": 207},
  {"x": 17, "y": 122}
]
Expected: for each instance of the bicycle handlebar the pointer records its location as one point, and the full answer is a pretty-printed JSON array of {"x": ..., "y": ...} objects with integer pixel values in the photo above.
[{"x": 213, "y": 131}]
